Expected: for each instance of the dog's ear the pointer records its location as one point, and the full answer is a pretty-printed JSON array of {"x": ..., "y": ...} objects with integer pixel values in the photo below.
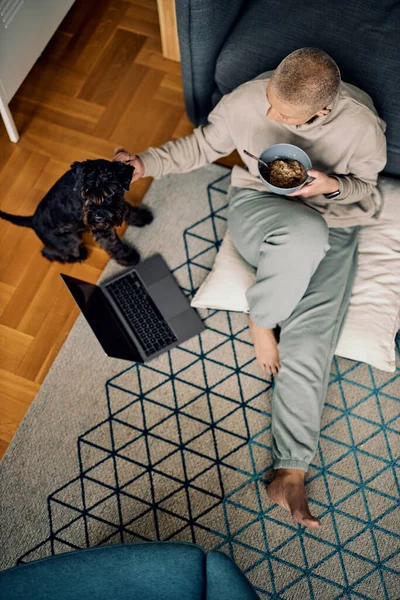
[
  {"x": 123, "y": 174},
  {"x": 78, "y": 171}
]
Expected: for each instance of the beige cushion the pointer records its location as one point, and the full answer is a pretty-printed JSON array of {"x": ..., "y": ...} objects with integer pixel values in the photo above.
[{"x": 373, "y": 317}]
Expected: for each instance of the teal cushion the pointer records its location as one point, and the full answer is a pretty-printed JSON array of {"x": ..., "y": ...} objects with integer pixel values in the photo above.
[
  {"x": 225, "y": 581},
  {"x": 149, "y": 571}
]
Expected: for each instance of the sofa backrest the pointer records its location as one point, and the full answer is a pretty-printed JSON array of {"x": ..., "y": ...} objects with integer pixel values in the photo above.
[{"x": 362, "y": 36}]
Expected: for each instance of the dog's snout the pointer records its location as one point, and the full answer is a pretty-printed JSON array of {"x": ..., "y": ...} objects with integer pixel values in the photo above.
[{"x": 101, "y": 215}]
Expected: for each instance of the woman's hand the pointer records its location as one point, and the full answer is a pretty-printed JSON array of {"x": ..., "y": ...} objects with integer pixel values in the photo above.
[
  {"x": 321, "y": 184},
  {"x": 122, "y": 155}
]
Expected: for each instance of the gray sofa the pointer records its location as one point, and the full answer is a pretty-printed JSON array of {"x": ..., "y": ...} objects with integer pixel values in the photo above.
[{"x": 224, "y": 43}]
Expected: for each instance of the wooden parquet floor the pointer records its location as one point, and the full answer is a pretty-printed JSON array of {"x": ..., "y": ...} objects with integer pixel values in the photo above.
[{"x": 101, "y": 82}]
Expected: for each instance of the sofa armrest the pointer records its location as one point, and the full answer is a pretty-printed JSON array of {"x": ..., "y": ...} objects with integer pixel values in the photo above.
[{"x": 203, "y": 26}]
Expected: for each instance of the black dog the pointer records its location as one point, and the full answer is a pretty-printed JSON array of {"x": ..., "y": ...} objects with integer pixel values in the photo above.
[{"x": 90, "y": 196}]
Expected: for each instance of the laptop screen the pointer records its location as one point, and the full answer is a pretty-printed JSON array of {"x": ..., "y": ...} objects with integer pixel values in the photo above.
[{"x": 101, "y": 318}]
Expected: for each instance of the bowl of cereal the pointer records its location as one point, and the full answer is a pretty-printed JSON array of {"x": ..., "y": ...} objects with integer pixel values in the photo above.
[{"x": 287, "y": 168}]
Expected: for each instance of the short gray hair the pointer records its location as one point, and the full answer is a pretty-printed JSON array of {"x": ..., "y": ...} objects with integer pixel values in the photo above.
[{"x": 308, "y": 78}]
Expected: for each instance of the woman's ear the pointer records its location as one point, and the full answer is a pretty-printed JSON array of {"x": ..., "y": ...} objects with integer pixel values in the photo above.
[
  {"x": 324, "y": 111},
  {"x": 123, "y": 174}
]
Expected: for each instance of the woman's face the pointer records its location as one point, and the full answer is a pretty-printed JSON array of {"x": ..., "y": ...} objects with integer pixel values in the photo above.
[{"x": 287, "y": 113}]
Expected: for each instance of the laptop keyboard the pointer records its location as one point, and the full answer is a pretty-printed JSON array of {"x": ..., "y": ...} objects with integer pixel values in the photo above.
[{"x": 139, "y": 309}]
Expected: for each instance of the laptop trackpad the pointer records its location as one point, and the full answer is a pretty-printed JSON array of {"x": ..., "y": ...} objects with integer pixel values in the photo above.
[{"x": 169, "y": 297}]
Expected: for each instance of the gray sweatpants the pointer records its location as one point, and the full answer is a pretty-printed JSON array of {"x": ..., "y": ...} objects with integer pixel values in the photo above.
[{"x": 305, "y": 274}]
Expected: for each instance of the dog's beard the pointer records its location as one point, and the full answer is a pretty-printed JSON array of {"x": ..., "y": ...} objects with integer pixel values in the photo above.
[{"x": 103, "y": 213}]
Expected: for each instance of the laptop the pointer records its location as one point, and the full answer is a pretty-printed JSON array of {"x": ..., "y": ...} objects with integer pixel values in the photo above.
[{"x": 138, "y": 314}]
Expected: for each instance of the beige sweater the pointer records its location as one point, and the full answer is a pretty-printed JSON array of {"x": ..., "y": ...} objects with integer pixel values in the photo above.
[{"x": 348, "y": 142}]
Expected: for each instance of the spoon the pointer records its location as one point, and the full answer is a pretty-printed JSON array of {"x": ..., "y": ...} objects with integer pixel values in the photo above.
[{"x": 257, "y": 159}]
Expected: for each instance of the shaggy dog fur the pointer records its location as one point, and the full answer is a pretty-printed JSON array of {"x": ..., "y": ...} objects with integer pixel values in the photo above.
[{"x": 90, "y": 196}]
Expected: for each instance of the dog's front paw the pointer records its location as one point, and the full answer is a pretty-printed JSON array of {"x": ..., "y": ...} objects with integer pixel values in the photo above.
[
  {"x": 129, "y": 259},
  {"x": 143, "y": 217}
]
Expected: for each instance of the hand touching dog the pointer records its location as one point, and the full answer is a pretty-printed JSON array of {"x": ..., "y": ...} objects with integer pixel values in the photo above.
[{"x": 122, "y": 155}]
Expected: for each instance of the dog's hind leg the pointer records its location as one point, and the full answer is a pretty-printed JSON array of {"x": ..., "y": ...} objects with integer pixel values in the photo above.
[
  {"x": 54, "y": 254},
  {"x": 64, "y": 247},
  {"x": 117, "y": 249},
  {"x": 137, "y": 215}
]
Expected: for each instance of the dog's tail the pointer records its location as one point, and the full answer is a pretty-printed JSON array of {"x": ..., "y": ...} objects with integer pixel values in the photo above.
[{"x": 16, "y": 219}]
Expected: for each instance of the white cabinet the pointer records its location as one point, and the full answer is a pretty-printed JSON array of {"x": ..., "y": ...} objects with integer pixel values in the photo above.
[{"x": 26, "y": 27}]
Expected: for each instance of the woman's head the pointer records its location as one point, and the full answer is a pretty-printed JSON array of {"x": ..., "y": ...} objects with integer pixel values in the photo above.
[{"x": 302, "y": 86}]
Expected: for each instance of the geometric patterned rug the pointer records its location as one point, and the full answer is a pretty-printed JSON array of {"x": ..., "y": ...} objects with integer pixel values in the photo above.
[{"x": 179, "y": 449}]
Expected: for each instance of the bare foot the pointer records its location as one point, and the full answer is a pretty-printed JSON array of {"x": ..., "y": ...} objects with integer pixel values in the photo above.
[
  {"x": 288, "y": 490},
  {"x": 266, "y": 348}
]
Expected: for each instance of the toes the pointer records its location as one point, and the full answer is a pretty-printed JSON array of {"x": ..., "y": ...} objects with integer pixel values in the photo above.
[
  {"x": 305, "y": 518},
  {"x": 261, "y": 363},
  {"x": 309, "y": 522},
  {"x": 313, "y": 523},
  {"x": 275, "y": 369},
  {"x": 270, "y": 369}
]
